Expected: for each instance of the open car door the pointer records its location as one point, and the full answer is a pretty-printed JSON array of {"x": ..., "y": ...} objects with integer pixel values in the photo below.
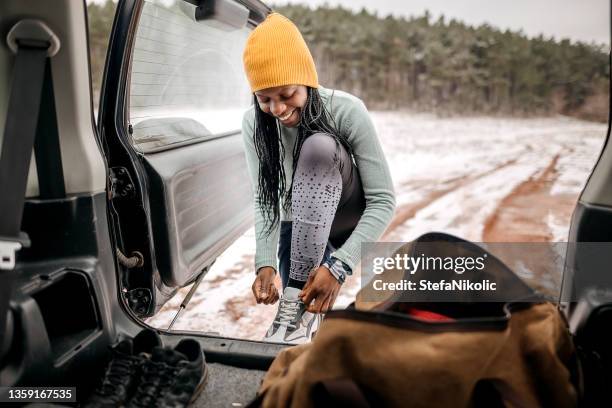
[
  {"x": 586, "y": 293},
  {"x": 170, "y": 118}
]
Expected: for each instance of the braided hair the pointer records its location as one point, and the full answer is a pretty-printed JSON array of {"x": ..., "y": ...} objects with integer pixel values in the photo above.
[{"x": 272, "y": 183}]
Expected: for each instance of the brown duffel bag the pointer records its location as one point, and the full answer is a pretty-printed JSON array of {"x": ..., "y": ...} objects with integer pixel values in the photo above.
[
  {"x": 365, "y": 358},
  {"x": 489, "y": 355}
]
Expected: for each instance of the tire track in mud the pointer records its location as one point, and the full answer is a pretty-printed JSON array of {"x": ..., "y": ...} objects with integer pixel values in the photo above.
[
  {"x": 522, "y": 217},
  {"x": 407, "y": 211}
]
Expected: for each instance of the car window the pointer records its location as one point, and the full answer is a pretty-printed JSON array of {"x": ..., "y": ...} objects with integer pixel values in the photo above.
[{"x": 187, "y": 82}]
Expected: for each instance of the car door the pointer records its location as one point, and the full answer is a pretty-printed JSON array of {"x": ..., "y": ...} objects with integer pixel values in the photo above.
[
  {"x": 170, "y": 117},
  {"x": 586, "y": 292},
  {"x": 590, "y": 237}
]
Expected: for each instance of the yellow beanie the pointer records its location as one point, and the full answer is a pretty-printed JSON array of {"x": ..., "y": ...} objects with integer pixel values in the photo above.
[{"x": 276, "y": 55}]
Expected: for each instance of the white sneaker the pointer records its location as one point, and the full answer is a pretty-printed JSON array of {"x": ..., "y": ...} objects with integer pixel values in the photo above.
[{"x": 292, "y": 324}]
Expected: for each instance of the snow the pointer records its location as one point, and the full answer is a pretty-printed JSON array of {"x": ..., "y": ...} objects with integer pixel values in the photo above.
[{"x": 454, "y": 175}]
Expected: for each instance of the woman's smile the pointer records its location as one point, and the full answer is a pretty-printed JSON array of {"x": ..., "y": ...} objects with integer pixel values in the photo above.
[
  {"x": 291, "y": 118},
  {"x": 286, "y": 116}
]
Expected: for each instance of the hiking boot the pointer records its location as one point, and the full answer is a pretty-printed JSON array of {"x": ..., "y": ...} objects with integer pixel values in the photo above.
[
  {"x": 172, "y": 377},
  {"x": 119, "y": 378},
  {"x": 292, "y": 324},
  {"x": 190, "y": 378}
]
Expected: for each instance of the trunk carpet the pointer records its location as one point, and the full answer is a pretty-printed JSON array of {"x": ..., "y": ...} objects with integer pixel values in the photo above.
[{"x": 229, "y": 386}]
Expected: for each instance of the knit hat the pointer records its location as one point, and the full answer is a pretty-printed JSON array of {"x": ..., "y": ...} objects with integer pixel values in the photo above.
[{"x": 276, "y": 55}]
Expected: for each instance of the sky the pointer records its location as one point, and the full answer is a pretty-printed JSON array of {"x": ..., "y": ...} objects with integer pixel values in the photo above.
[{"x": 579, "y": 20}]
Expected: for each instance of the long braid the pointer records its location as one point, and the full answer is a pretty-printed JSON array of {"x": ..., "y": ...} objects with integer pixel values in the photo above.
[{"x": 270, "y": 150}]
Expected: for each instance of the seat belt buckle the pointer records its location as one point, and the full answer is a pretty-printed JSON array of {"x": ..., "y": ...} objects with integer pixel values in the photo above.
[
  {"x": 9, "y": 248},
  {"x": 8, "y": 251}
]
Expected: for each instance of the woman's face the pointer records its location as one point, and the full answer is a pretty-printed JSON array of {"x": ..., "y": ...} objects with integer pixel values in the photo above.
[{"x": 283, "y": 102}]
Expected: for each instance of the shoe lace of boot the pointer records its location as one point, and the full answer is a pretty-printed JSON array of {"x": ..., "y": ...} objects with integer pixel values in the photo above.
[
  {"x": 287, "y": 312},
  {"x": 156, "y": 378},
  {"x": 182, "y": 389},
  {"x": 118, "y": 373}
]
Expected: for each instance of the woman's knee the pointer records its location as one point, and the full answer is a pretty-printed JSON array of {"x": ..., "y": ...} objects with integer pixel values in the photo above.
[{"x": 318, "y": 150}]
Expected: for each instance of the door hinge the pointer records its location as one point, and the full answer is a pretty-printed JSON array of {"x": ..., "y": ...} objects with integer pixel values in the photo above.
[{"x": 121, "y": 185}]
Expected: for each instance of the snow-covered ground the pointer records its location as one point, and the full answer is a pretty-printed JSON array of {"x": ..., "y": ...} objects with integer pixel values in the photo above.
[{"x": 484, "y": 179}]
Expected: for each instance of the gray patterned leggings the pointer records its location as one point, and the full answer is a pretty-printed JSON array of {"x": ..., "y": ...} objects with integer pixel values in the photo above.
[{"x": 326, "y": 202}]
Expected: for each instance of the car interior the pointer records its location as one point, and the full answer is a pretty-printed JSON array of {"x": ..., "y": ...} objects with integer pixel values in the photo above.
[
  {"x": 122, "y": 207},
  {"x": 73, "y": 291}
]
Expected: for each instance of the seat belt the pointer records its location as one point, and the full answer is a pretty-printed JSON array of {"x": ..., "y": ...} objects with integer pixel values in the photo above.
[
  {"x": 19, "y": 136},
  {"x": 33, "y": 43},
  {"x": 47, "y": 145}
]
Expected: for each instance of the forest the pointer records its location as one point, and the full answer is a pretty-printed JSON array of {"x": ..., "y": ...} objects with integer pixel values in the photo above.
[{"x": 434, "y": 64}]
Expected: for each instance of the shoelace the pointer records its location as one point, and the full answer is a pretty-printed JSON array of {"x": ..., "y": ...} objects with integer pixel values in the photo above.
[
  {"x": 185, "y": 380},
  {"x": 287, "y": 312},
  {"x": 120, "y": 368},
  {"x": 157, "y": 377}
]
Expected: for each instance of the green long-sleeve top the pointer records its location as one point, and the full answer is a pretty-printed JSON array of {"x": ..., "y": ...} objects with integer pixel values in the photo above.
[{"x": 353, "y": 120}]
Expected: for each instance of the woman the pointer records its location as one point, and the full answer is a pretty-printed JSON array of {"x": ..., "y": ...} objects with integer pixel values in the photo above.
[{"x": 320, "y": 179}]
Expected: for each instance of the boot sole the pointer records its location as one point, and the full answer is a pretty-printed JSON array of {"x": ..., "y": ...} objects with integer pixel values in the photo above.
[{"x": 200, "y": 386}]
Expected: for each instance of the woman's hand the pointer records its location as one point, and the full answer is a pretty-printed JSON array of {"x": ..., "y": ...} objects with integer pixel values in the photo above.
[
  {"x": 264, "y": 288},
  {"x": 320, "y": 291}
]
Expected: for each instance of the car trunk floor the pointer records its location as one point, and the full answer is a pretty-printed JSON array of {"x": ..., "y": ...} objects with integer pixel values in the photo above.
[{"x": 229, "y": 386}]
